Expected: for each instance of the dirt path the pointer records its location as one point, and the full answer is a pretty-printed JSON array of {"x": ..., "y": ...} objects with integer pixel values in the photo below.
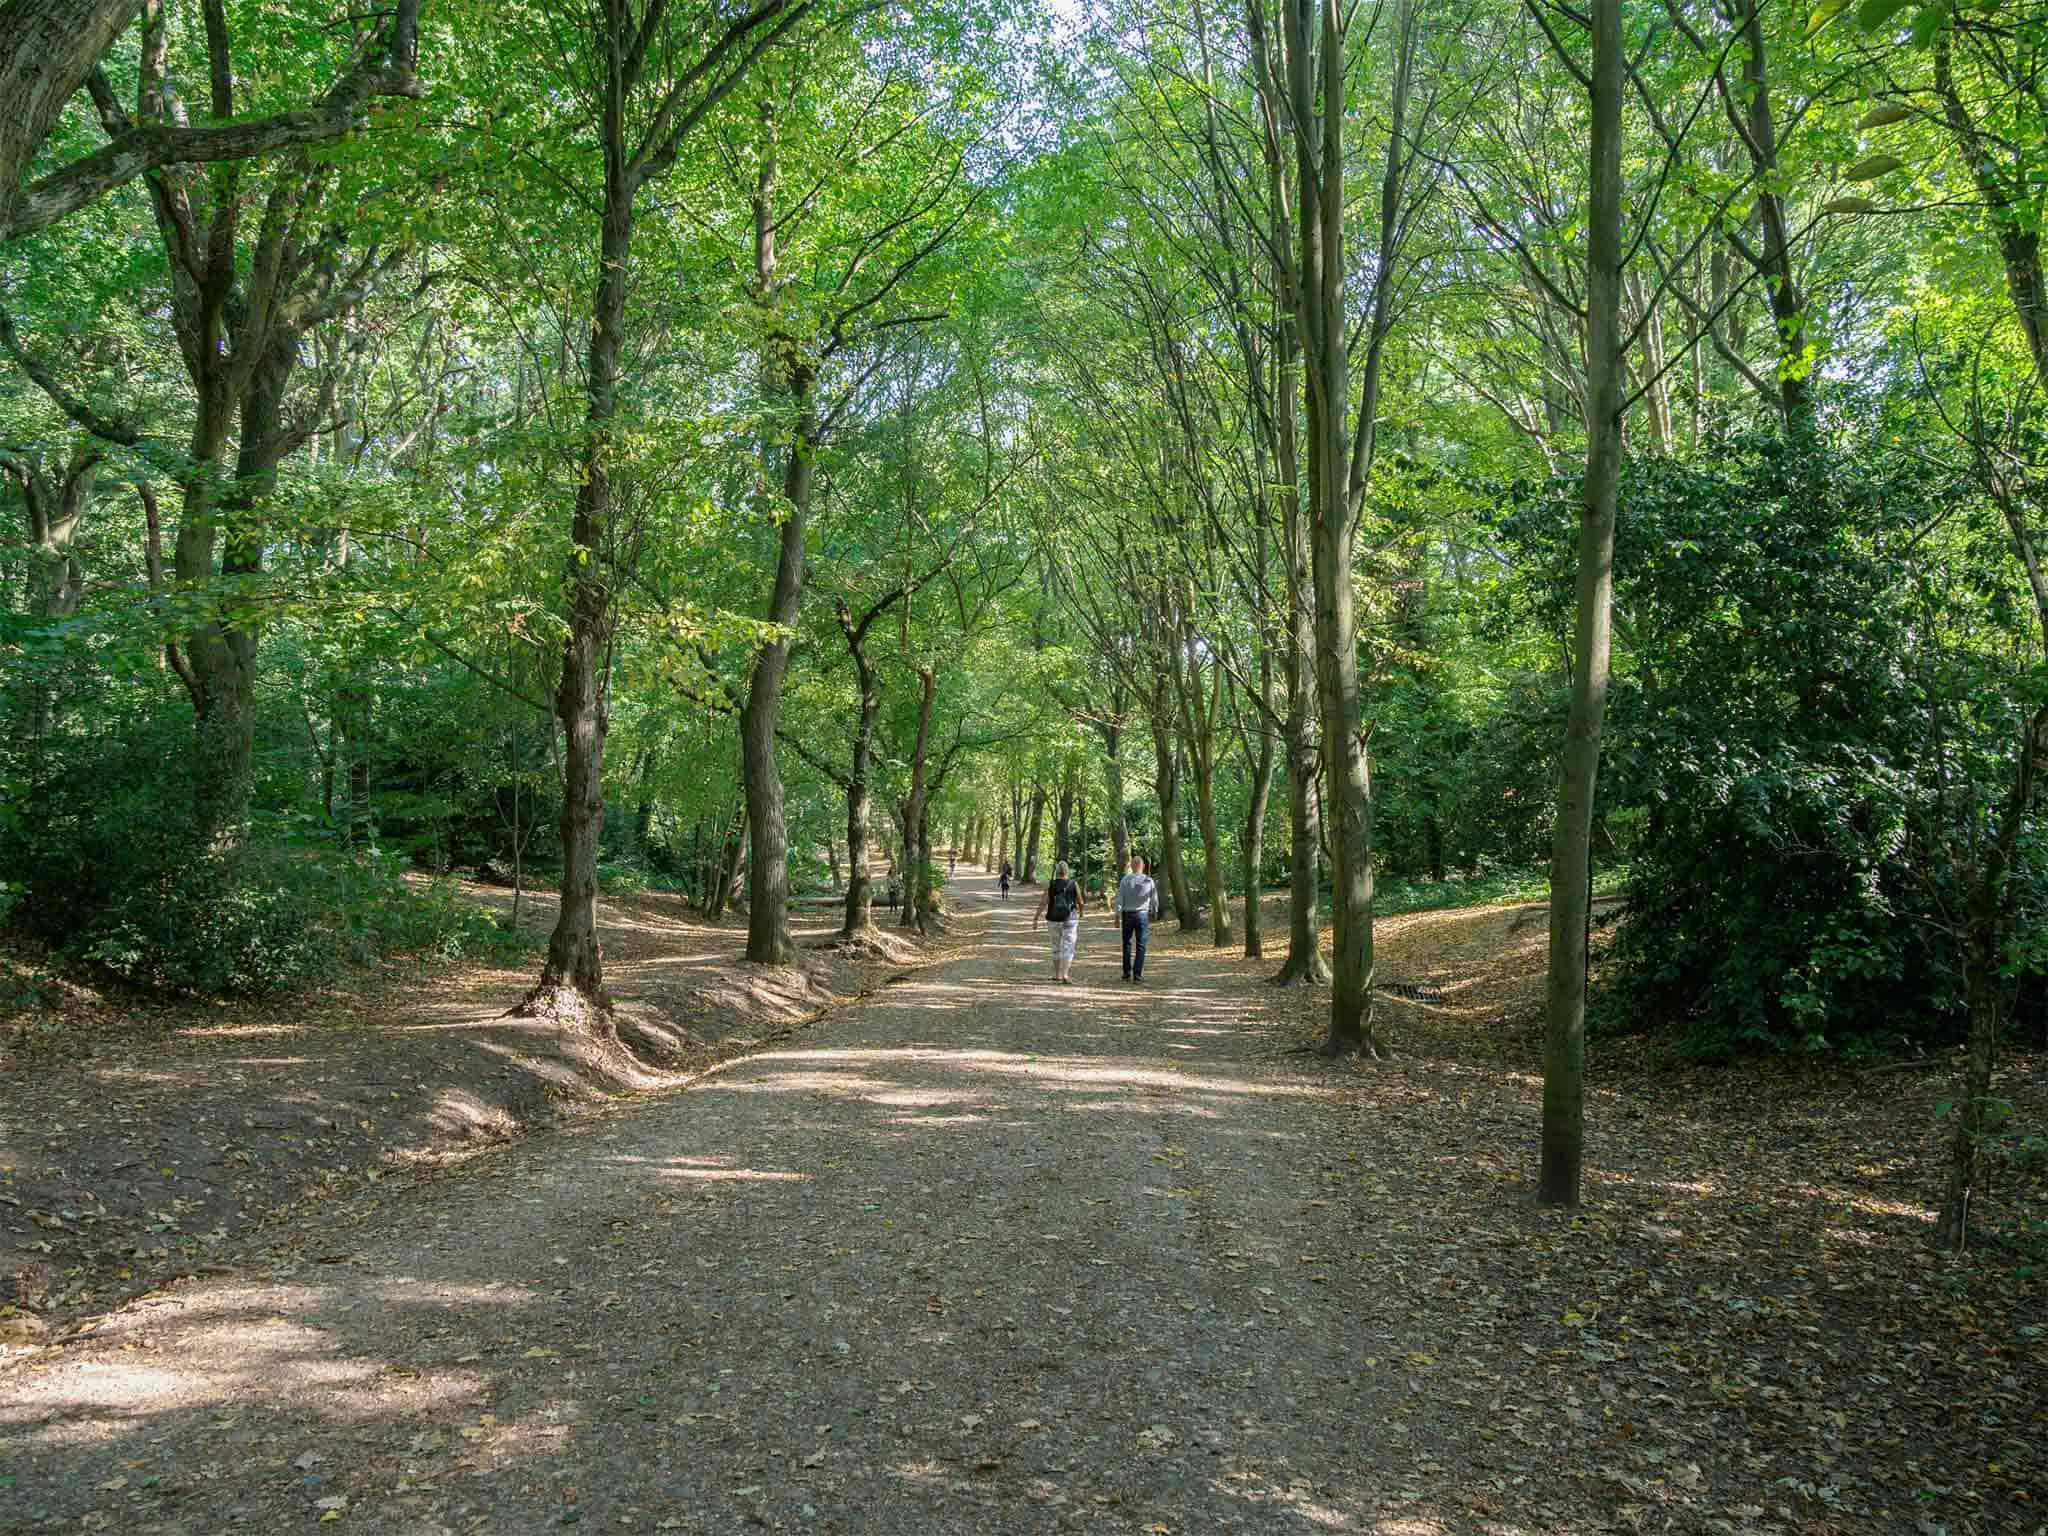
[
  {"x": 987, "y": 1254},
  {"x": 142, "y": 1141}
]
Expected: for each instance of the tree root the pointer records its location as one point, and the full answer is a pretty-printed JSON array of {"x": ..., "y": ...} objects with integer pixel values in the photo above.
[{"x": 565, "y": 1007}]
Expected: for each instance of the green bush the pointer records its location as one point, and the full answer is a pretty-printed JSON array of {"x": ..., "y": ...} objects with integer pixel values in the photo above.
[
  {"x": 111, "y": 876},
  {"x": 1798, "y": 753}
]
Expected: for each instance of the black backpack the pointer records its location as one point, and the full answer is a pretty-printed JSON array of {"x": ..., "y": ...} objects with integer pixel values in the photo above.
[{"x": 1059, "y": 901}]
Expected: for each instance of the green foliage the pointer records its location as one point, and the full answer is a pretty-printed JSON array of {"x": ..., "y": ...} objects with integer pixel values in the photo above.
[
  {"x": 111, "y": 876},
  {"x": 265, "y": 921},
  {"x": 1801, "y": 739}
]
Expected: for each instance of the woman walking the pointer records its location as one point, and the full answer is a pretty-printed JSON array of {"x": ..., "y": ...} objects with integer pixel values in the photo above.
[
  {"x": 1003, "y": 880},
  {"x": 1062, "y": 915}
]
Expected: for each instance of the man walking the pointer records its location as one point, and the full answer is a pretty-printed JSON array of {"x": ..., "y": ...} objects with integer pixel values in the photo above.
[{"x": 1137, "y": 903}]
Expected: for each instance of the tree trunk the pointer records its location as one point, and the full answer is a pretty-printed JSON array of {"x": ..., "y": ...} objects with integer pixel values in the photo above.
[
  {"x": 224, "y": 724},
  {"x": 47, "y": 49},
  {"x": 1113, "y": 785},
  {"x": 1220, "y": 936},
  {"x": 787, "y": 370},
  {"x": 1304, "y": 961},
  {"x": 575, "y": 963},
  {"x": 1253, "y": 841},
  {"x": 1166, "y": 788},
  {"x": 1035, "y": 820},
  {"x": 1564, "y": 1056},
  {"x": 1342, "y": 438},
  {"x": 915, "y": 886},
  {"x": 926, "y": 904},
  {"x": 768, "y": 938},
  {"x": 1063, "y": 820},
  {"x": 859, "y": 892},
  {"x": 1788, "y": 309},
  {"x": 725, "y": 870}
]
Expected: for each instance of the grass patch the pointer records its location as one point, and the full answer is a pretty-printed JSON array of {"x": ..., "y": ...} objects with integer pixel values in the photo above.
[{"x": 1396, "y": 895}]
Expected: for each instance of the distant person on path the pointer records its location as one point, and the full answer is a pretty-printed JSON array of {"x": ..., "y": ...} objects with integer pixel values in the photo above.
[
  {"x": 1003, "y": 880},
  {"x": 1137, "y": 903},
  {"x": 1062, "y": 915}
]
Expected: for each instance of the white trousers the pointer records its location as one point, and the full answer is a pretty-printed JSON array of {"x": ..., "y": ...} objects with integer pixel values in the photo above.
[{"x": 1063, "y": 937}]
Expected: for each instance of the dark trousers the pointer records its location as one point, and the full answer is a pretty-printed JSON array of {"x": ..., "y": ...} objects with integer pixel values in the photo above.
[{"x": 1136, "y": 926}]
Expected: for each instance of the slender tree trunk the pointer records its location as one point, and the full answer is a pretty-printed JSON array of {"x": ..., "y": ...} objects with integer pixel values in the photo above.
[
  {"x": 927, "y": 902},
  {"x": 220, "y": 759},
  {"x": 1788, "y": 309},
  {"x": 768, "y": 938},
  {"x": 1564, "y": 1057},
  {"x": 1113, "y": 785},
  {"x": 1305, "y": 961},
  {"x": 859, "y": 892},
  {"x": 1063, "y": 820},
  {"x": 718, "y": 894},
  {"x": 916, "y": 891},
  {"x": 1166, "y": 786},
  {"x": 1035, "y": 835},
  {"x": 1217, "y": 887},
  {"x": 575, "y": 960},
  {"x": 1253, "y": 841}
]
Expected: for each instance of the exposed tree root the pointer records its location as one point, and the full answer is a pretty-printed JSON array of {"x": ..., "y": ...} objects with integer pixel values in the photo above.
[
  {"x": 567, "y": 1007},
  {"x": 1300, "y": 976}
]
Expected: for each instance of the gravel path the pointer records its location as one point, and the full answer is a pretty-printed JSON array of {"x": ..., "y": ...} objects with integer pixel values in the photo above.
[{"x": 984, "y": 1253}]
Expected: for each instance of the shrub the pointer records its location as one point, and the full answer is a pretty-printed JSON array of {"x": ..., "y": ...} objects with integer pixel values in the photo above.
[{"x": 110, "y": 875}]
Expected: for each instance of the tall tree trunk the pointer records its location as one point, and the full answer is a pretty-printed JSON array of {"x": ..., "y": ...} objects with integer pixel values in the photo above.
[
  {"x": 575, "y": 962},
  {"x": 1202, "y": 739},
  {"x": 768, "y": 937},
  {"x": 1564, "y": 1056},
  {"x": 915, "y": 813},
  {"x": 926, "y": 905},
  {"x": 1253, "y": 841},
  {"x": 1035, "y": 821},
  {"x": 1788, "y": 308},
  {"x": 1304, "y": 961},
  {"x": 786, "y": 370},
  {"x": 223, "y": 723},
  {"x": 1341, "y": 449},
  {"x": 1113, "y": 785},
  {"x": 1166, "y": 788},
  {"x": 1063, "y": 819},
  {"x": 859, "y": 891}
]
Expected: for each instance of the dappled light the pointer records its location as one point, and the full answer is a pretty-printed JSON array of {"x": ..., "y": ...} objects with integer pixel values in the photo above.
[{"x": 1080, "y": 767}]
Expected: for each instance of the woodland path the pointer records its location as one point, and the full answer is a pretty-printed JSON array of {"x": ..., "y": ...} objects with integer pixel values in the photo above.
[{"x": 983, "y": 1253}]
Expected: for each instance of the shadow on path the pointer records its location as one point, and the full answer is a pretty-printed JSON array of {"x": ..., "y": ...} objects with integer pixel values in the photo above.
[{"x": 985, "y": 1253}]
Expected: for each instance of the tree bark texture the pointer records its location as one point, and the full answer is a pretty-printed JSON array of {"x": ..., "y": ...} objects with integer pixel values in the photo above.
[
  {"x": 1564, "y": 1056},
  {"x": 575, "y": 962},
  {"x": 47, "y": 49},
  {"x": 768, "y": 937}
]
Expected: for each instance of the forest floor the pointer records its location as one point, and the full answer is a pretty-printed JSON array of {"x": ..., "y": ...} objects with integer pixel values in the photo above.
[
  {"x": 141, "y": 1141},
  {"x": 984, "y": 1253}
]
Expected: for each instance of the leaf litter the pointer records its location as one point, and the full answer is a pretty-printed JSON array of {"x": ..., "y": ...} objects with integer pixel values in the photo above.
[{"x": 1190, "y": 1282}]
